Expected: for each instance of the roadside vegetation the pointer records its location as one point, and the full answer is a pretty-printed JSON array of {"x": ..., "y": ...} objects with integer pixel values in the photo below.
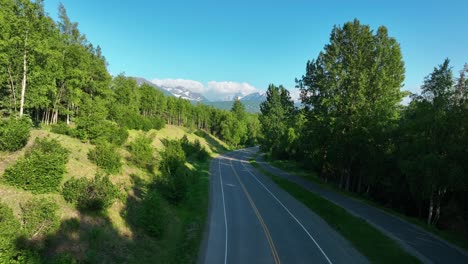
[
  {"x": 372, "y": 243},
  {"x": 355, "y": 133}
]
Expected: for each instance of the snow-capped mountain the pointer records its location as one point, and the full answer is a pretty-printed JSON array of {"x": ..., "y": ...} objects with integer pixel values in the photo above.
[
  {"x": 185, "y": 93},
  {"x": 254, "y": 97},
  {"x": 141, "y": 81}
]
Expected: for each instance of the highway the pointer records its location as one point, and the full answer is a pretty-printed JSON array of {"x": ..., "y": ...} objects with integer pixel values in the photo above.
[{"x": 251, "y": 220}]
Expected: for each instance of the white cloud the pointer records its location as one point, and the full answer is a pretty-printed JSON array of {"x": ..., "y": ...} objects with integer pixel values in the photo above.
[
  {"x": 228, "y": 88},
  {"x": 295, "y": 94},
  {"x": 192, "y": 85},
  {"x": 213, "y": 90}
]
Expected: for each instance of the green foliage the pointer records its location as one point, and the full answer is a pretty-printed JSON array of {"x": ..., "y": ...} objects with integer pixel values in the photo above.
[
  {"x": 194, "y": 149},
  {"x": 14, "y": 133},
  {"x": 106, "y": 156},
  {"x": 154, "y": 216},
  {"x": 42, "y": 169},
  {"x": 40, "y": 217},
  {"x": 275, "y": 119},
  {"x": 10, "y": 236},
  {"x": 141, "y": 151},
  {"x": 96, "y": 194},
  {"x": 9, "y": 231},
  {"x": 175, "y": 175},
  {"x": 61, "y": 128}
]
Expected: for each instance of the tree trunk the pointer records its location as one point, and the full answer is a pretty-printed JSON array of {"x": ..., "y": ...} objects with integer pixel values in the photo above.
[
  {"x": 23, "y": 83},
  {"x": 13, "y": 90},
  {"x": 68, "y": 114},
  {"x": 431, "y": 209}
]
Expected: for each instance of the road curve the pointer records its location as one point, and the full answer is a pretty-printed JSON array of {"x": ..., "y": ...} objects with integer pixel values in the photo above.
[{"x": 251, "y": 220}]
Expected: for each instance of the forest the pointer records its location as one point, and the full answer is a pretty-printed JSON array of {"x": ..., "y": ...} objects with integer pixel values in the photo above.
[
  {"x": 51, "y": 74},
  {"x": 355, "y": 132}
]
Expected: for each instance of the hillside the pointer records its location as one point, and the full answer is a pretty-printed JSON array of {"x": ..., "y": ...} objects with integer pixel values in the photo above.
[{"x": 116, "y": 235}]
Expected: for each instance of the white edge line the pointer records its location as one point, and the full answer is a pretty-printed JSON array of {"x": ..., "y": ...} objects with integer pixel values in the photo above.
[
  {"x": 224, "y": 208},
  {"x": 289, "y": 212}
]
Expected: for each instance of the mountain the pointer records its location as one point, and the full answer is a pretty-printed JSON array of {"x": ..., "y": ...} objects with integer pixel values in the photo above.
[
  {"x": 185, "y": 93},
  {"x": 141, "y": 81},
  {"x": 254, "y": 97}
]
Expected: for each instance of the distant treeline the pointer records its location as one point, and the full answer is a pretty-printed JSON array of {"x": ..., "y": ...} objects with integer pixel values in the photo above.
[
  {"x": 51, "y": 73},
  {"x": 355, "y": 131}
]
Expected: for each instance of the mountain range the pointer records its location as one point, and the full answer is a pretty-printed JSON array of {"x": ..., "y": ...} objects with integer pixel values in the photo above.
[{"x": 251, "y": 101}]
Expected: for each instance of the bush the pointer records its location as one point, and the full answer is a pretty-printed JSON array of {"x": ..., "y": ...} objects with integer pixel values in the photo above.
[
  {"x": 194, "y": 149},
  {"x": 105, "y": 156},
  {"x": 41, "y": 170},
  {"x": 39, "y": 217},
  {"x": 10, "y": 233},
  {"x": 14, "y": 133},
  {"x": 141, "y": 151},
  {"x": 98, "y": 131},
  {"x": 61, "y": 128},
  {"x": 153, "y": 218},
  {"x": 175, "y": 176},
  {"x": 93, "y": 195}
]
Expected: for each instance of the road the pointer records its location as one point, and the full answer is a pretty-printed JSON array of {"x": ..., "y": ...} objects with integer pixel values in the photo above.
[
  {"x": 251, "y": 220},
  {"x": 422, "y": 244}
]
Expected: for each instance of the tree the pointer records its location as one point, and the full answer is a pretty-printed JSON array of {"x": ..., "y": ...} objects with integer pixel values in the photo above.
[
  {"x": 351, "y": 89},
  {"x": 276, "y": 114}
]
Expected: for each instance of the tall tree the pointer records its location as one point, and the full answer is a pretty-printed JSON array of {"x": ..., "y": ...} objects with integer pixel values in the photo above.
[
  {"x": 352, "y": 88},
  {"x": 275, "y": 118}
]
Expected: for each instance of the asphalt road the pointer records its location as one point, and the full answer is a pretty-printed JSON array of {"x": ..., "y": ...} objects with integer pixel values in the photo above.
[
  {"x": 422, "y": 244},
  {"x": 251, "y": 220}
]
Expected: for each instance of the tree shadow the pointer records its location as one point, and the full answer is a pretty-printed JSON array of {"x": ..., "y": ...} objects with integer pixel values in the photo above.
[
  {"x": 211, "y": 140},
  {"x": 92, "y": 237}
]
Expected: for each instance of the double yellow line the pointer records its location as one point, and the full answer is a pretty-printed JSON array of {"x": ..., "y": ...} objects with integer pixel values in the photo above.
[{"x": 260, "y": 219}]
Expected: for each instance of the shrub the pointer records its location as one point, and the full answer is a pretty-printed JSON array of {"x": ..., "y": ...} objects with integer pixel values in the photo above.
[
  {"x": 105, "y": 156},
  {"x": 153, "y": 218},
  {"x": 10, "y": 234},
  {"x": 141, "y": 151},
  {"x": 14, "y": 133},
  {"x": 98, "y": 131},
  {"x": 175, "y": 176},
  {"x": 194, "y": 149},
  {"x": 39, "y": 217},
  {"x": 9, "y": 231},
  {"x": 41, "y": 170},
  {"x": 61, "y": 128},
  {"x": 93, "y": 195}
]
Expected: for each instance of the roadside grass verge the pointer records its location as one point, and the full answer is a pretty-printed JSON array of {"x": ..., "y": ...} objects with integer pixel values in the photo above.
[
  {"x": 192, "y": 215},
  {"x": 377, "y": 247},
  {"x": 295, "y": 169}
]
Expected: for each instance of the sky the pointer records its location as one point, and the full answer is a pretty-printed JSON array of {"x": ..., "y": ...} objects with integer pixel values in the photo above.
[{"x": 221, "y": 47}]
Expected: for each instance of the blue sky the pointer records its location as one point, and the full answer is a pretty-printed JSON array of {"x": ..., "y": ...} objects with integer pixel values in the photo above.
[{"x": 217, "y": 47}]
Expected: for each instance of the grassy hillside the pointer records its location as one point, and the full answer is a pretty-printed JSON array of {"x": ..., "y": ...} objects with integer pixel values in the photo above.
[{"x": 115, "y": 236}]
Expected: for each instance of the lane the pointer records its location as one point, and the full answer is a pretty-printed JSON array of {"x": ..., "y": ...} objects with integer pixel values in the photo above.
[
  {"x": 422, "y": 244},
  {"x": 264, "y": 224},
  {"x": 238, "y": 238}
]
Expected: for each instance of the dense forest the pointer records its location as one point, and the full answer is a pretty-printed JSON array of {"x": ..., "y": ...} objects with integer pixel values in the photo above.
[
  {"x": 355, "y": 132},
  {"x": 50, "y": 73}
]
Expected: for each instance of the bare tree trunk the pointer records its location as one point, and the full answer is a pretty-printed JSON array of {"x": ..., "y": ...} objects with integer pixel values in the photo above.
[
  {"x": 13, "y": 90},
  {"x": 23, "y": 83},
  {"x": 440, "y": 195},
  {"x": 68, "y": 114},
  {"x": 431, "y": 209}
]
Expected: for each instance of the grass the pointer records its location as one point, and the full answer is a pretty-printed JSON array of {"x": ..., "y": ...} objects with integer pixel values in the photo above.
[
  {"x": 377, "y": 247},
  {"x": 293, "y": 167},
  {"x": 113, "y": 236}
]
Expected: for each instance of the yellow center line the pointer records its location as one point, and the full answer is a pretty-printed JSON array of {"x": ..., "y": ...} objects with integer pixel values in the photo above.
[{"x": 260, "y": 219}]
